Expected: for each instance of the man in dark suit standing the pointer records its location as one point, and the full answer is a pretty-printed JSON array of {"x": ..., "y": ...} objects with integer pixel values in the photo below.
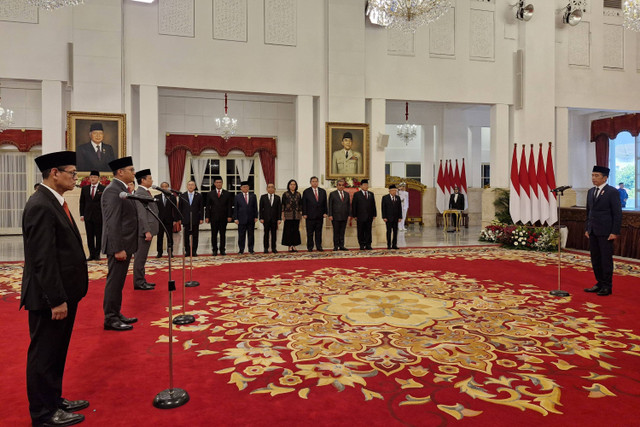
[
  {"x": 604, "y": 219},
  {"x": 91, "y": 214},
  {"x": 147, "y": 228},
  {"x": 119, "y": 242},
  {"x": 168, "y": 213},
  {"x": 456, "y": 201},
  {"x": 391, "y": 215},
  {"x": 192, "y": 210},
  {"x": 245, "y": 214},
  {"x": 339, "y": 211},
  {"x": 363, "y": 209},
  {"x": 314, "y": 210},
  {"x": 219, "y": 212},
  {"x": 54, "y": 280},
  {"x": 95, "y": 154},
  {"x": 270, "y": 217}
]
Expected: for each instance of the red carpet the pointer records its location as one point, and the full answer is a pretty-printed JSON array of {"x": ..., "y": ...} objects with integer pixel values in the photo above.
[{"x": 424, "y": 337}]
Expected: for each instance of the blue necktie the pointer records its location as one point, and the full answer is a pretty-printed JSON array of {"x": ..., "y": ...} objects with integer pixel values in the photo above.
[{"x": 190, "y": 198}]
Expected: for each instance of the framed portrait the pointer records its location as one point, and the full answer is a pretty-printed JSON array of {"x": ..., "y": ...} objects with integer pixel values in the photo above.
[
  {"x": 347, "y": 150},
  {"x": 97, "y": 139}
]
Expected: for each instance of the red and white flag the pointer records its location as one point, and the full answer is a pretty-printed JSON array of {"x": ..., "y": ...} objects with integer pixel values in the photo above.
[
  {"x": 533, "y": 189},
  {"x": 456, "y": 177},
  {"x": 551, "y": 182},
  {"x": 448, "y": 185},
  {"x": 441, "y": 203},
  {"x": 525, "y": 201},
  {"x": 514, "y": 188},
  {"x": 543, "y": 188},
  {"x": 463, "y": 189}
]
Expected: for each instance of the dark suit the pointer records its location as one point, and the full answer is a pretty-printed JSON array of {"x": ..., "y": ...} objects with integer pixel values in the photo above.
[
  {"x": 456, "y": 204},
  {"x": 88, "y": 160},
  {"x": 192, "y": 214},
  {"x": 364, "y": 210},
  {"x": 55, "y": 272},
  {"x": 315, "y": 210},
  {"x": 604, "y": 217},
  {"x": 91, "y": 212},
  {"x": 119, "y": 233},
  {"x": 219, "y": 210},
  {"x": 339, "y": 209},
  {"x": 146, "y": 223},
  {"x": 246, "y": 214},
  {"x": 392, "y": 212},
  {"x": 270, "y": 214},
  {"x": 168, "y": 213}
]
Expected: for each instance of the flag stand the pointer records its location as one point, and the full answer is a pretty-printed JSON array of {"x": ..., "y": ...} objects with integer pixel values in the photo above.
[{"x": 559, "y": 292}]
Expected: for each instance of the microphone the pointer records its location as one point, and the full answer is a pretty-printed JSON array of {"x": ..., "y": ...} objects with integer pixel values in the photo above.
[
  {"x": 561, "y": 189},
  {"x": 166, "y": 192},
  {"x": 125, "y": 195}
]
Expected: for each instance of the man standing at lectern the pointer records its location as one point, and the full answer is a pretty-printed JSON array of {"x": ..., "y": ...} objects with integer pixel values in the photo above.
[{"x": 604, "y": 218}]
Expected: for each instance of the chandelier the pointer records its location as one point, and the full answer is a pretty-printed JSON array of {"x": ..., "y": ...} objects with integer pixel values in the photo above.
[
  {"x": 6, "y": 117},
  {"x": 407, "y": 131},
  {"x": 408, "y": 15},
  {"x": 631, "y": 14},
  {"x": 226, "y": 125},
  {"x": 54, "y": 4}
]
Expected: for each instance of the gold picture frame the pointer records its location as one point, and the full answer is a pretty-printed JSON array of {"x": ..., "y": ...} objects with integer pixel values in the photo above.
[
  {"x": 113, "y": 144},
  {"x": 340, "y": 163}
]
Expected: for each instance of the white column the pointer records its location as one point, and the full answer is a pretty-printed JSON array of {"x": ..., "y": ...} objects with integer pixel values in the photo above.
[
  {"x": 303, "y": 151},
  {"x": 377, "y": 121},
  {"x": 53, "y": 117},
  {"x": 500, "y": 151},
  {"x": 561, "y": 146},
  {"x": 149, "y": 155}
]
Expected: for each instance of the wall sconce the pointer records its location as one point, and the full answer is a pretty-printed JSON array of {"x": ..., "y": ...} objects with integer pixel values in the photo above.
[
  {"x": 524, "y": 13},
  {"x": 572, "y": 17}
]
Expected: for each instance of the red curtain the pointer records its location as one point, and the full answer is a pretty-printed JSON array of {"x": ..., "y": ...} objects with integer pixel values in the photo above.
[
  {"x": 603, "y": 130},
  {"x": 602, "y": 150},
  {"x": 176, "y": 167},
  {"x": 24, "y": 139},
  {"x": 268, "y": 163}
]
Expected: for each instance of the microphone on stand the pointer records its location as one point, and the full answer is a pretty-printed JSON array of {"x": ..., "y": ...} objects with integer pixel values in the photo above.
[
  {"x": 167, "y": 192},
  {"x": 125, "y": 195},
  {"x": 561, "y": 189}
]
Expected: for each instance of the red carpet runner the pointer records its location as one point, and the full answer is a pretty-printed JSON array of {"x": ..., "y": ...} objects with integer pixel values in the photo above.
[{"x": 424, "y": 337}]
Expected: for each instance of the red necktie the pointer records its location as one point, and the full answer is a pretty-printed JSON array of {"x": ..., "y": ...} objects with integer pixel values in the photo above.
[
  {"x": 315, "y": 192},
  {"x": 366, "y": 196},
  {"x": 341, "y": 196},
  {"x": 149, "y": 193},
  {"x": 246, "y": 198},
  {"x": 66, "y": 209},
  {"x": 93, "y": 191},
  {"x": 218, "y": 194}
]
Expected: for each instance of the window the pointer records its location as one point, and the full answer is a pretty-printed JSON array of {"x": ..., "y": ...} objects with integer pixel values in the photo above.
[
  {"x": 623, "y": 158},
  {"x": 227, "y": 168},
  {"x": 387, "y": 169},
  {"x": 485, "y": 175},
  {"x": 413, "y": 171},
  {"x": 18, "y": 175}
]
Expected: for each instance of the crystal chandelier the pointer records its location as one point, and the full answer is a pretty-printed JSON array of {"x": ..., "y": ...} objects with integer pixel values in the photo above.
[
  {"x": 226, "y": 125},
  {"x": 631, "y": 12},
  {"x": 407, "y": 131},
  {"x": 409, "y": 15},
  {"x": 6, "y": 117},
  {"x": 54, "y": 4}
]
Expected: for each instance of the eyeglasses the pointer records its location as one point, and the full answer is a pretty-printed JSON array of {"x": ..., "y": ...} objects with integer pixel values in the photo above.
[{"x": 72, "y": 173}]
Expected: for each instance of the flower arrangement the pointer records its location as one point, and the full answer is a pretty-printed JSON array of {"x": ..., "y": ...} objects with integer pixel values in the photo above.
[
  {"x": 84, "y": 181},
  {"x": 542, "y": 239},
  {"x": 349, "y": 182}
]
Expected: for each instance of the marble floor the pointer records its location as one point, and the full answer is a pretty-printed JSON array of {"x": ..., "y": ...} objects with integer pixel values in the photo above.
[{"x": 416, "y": 236}]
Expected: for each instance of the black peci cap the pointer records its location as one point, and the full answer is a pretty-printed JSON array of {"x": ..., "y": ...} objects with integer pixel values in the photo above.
[
  {"x": 54, "y": 160},
  {"x": 143, "y": 173},
  {"x": 121, "y": 163}
]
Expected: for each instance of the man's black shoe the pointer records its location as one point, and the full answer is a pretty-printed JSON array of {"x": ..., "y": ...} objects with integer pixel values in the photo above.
[
  {"x": 594, "y": 288},
  {"x": 61, "y": 418},
  {"x": 128, "y": 320},
  {"x": 342, "y": 248},
  {"x": 159, "y": 256},
  {"x": 394, "y": 247},
  {"x": 117, "y": 325},
  {"x": 223, "y": 253},
  {"x": 215, "y": 253},
  {"x": 73, "y": 405},
  {"x": 143, "y": 287},
  {"x": 604, "y": 292},
  {"x": 274, "y": 251}
]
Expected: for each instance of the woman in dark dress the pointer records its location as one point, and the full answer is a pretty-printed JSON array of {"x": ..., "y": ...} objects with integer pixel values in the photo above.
[{"x": 292, "y": 212}]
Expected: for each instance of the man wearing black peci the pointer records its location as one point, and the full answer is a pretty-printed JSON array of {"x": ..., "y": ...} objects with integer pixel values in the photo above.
[
  {"x": 168, "y": 214},
  {"x": 54, "y": 280},
  {"x": 363, "y": 209},
  {"x": 147, "y": 228},
  {"x": 245, "y": 214},
  {"x": 192, "y": 210},
  {"x": 391, "y": 215},
  {"x": 314, "y": 210},
  {"x": 339, "y": 211},
  {"x": 91, "y": 214},
  {"x": 219, "y": 212},
  {"x": 604, "y": 219},
  {"x": 270, "y": 217}
]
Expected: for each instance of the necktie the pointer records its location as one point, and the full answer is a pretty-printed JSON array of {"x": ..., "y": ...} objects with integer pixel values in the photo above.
[
  {"x": 98, "y": 152},
  {"x": 366, "y": 196},
  {"x": 149, "y": 193},
  {"x": 218, "y": 194},
  {"x": 190, "y": 198},
  {"x": 246, "y": 197},
  {"x": 315, "y": 193},
  {"x": 393, "y": 199},
  {"x": 66, "y": 209},
  {"x": 164, "y": 200},
  {"x": 93, "y": 191},
  {"x": 271, "y": 199},
  {"x": 341, "y": 196},
  {"x": 346, "y": 154}
]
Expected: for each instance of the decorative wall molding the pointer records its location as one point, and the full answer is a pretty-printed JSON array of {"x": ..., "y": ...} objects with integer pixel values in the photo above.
[
  {"x": 482, "y": 35},
  {"x": 280, "y": 22},
  {"x": 18, "y": 11},
  {"x": 230, "y": 20},
  {"x": 400, "y": 42},
  {"x": 611, "y": 12},
  {"x": 176, "y": 18},
  {"x": 442, "y": 35},
  {"x": 613, "y": 49},
  {"x": 579, "y": 44}
]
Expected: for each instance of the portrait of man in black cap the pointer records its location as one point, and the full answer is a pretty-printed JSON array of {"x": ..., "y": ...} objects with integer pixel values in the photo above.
[
  {"x": 95, "y": 154},
  {"x": 346, "y": 162}
]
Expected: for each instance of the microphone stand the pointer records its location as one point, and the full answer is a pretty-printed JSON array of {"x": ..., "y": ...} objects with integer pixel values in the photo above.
[
  {"x": 171, "y": 397},
  {"x": 559, "y": 292},
  {"x": 191, "y": 283},
  {"x": 184, "y": 318}
]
